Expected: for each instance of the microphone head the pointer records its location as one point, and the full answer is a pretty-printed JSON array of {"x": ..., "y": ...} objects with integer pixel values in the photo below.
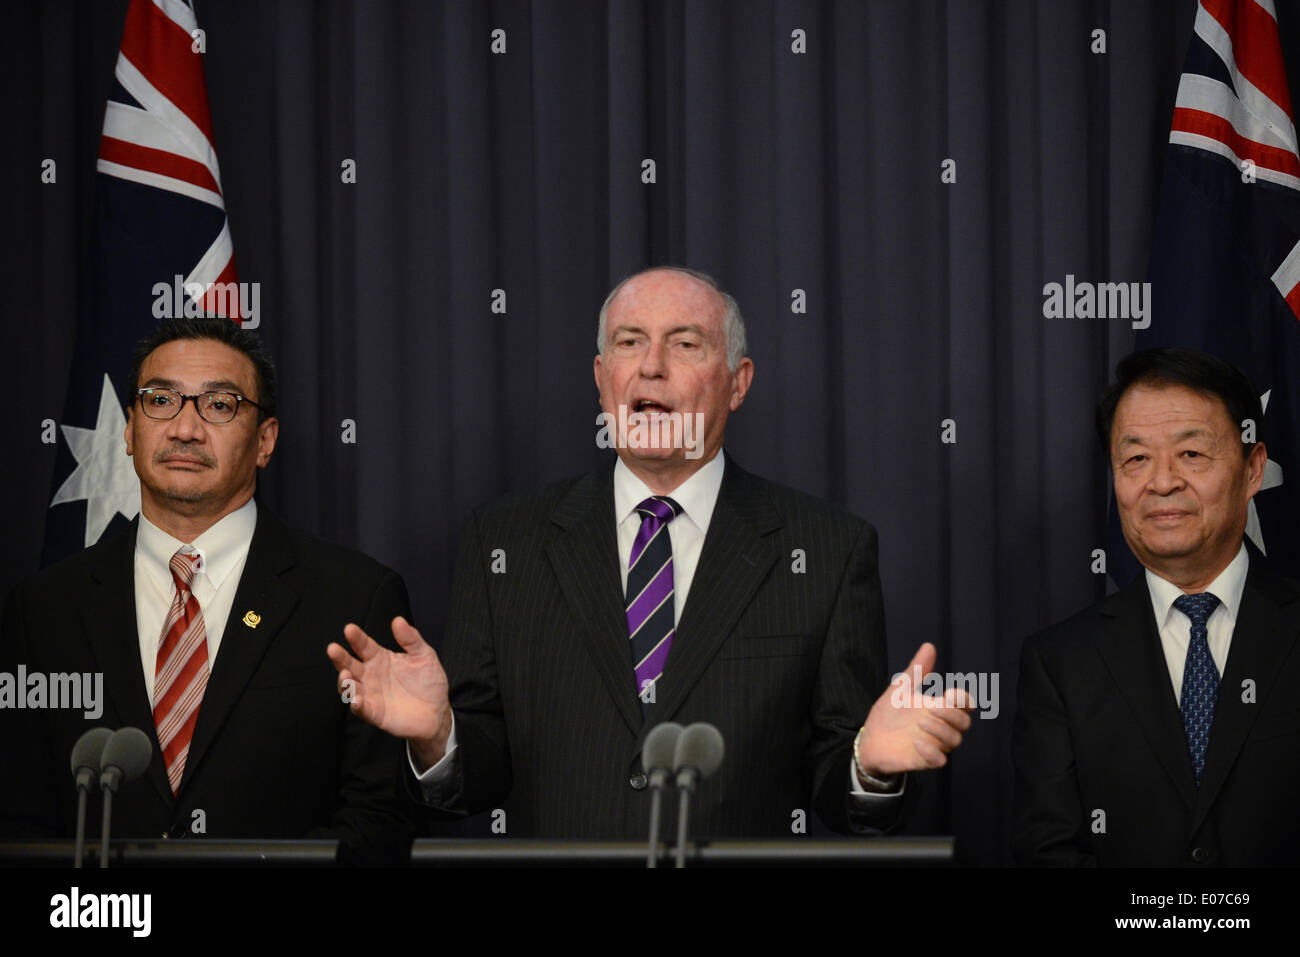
[
  {"x": 699, "y": 746},
  {"x": 87, "y": 751},
  {"x": 660, "y": 746},
  {"x": 128, "y": 750}
]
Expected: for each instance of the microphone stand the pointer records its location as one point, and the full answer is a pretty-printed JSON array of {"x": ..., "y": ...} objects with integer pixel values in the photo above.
[
  {"x": 658, "y": 778},
  {"x": 82, "y": 795},
  {"x": 686, "y": 784},
  {"x": 104, "y": 827}
]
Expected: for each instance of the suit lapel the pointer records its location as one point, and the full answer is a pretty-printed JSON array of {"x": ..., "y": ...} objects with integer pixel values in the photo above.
[
  {"x": 733, "y": 563},
  {"x": 108, "y": 619},
  {"x": 1261, "y": 640},
  {"x": 262, "y": 592},
  {"x": 1130, "y": 647},
  {"x": 585, "y": 560}
]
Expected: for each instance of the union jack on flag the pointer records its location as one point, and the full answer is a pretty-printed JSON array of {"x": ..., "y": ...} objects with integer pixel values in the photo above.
[
  {"x": 160, "y": 247},
  {"x": 1225, "y": 252}
]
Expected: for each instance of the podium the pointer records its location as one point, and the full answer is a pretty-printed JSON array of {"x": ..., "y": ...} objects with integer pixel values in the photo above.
[{"x": 501, "y": 852}]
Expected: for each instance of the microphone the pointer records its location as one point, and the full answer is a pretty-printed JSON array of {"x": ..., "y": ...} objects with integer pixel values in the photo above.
[
  {"x": 85, "y": 769},
  {"x": 657, "y": 759},
  {"x": 697, "y": 755},
  {"x": 125, "y": 758}
]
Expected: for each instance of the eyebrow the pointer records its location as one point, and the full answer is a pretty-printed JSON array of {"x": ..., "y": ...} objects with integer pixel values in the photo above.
[
  {"x": 222, "y": 385},
  {"x": 1178, "y": 437},
  {"x": 689, "y": 327},
  {"x": 218, "y": 385}
]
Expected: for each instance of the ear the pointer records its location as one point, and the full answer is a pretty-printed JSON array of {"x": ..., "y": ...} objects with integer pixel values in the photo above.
[
  {"x": 1255, "y": 463},
  {"x": 267, "y": 433},
  {"x": 741, "y": 380},
  {"x": 595, "y": 369},
  {"x": 130, "y": 428}
]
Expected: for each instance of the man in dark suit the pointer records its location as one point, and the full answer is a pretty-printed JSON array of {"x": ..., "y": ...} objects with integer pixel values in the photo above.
[
  {"x": 1160, "y": 727},
  {"x": 207, "y": 621},
  {"x": 571, "y": 632}
]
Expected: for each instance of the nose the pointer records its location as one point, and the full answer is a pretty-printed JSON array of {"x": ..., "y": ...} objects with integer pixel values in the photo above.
[
  {"x": 187, "y": 426},
  {"x": 654, "y": 361},
  {"x": 1166, "y": 477}
]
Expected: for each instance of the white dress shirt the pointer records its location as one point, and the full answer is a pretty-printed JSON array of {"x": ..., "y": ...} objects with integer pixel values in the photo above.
[
  {"x": 1176, "y": 628},
  {"x": 697, "y": 497},
  {"x": 223, "y": 550}
]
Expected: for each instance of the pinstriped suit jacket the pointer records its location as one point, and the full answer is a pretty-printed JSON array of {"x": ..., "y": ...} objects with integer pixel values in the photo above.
[{"x": 785, "y": 661}]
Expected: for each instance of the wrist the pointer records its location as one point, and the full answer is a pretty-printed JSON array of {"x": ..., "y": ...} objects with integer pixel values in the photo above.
[
  {"x": 871, "y": 779},
  {"x": 429, "y": 751}
]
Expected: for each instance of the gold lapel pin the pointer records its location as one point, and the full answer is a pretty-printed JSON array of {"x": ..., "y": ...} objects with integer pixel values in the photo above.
[{"x": 252, "y": 619}]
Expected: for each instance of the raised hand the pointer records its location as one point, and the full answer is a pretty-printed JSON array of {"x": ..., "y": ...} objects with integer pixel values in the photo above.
[
  {"x": 909, "y": 731},
  {"x": 403, "y": 693}
]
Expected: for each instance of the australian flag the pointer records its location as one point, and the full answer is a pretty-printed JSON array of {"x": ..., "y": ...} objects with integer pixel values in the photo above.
[
  {"x": 1225, "y": 257},
  {"x": 160, "y": 247}
]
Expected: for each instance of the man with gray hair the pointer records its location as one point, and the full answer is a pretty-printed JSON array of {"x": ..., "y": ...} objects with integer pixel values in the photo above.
[{"x": 660, "y": 588}]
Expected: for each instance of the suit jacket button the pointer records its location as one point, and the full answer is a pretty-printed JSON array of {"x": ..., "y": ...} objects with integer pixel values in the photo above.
[
  {"x": 1199, "y": 855},
  {"x": 638, "y": 781}
]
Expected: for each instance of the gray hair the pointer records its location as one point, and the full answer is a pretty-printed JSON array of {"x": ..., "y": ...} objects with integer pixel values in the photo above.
[{"x": 733, "y": 323}]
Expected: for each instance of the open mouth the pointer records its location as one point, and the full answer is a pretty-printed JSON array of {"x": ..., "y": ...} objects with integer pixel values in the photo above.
[{"x": 650, "y": 407}]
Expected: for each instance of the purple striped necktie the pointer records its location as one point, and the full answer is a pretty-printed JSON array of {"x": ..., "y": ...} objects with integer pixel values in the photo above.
[{"x": 649, "y": 599}]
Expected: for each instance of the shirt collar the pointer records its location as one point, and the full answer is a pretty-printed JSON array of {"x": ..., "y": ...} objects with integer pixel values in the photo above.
[
  {"x": 697, "y": 495},
  {"x": 1228, "y": 588},
  {"x": 221, "y": 546}
]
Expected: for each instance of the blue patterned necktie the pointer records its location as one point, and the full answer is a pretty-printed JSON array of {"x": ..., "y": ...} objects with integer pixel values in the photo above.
[{"x": 1200, "y": 679}]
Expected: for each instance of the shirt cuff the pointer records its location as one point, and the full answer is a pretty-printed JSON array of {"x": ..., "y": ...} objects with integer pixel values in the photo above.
[
  {"x": 862, "y": 797},
  {"x": 445, "y": 768}
]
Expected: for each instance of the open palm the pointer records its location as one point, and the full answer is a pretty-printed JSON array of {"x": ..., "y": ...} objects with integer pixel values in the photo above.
[{"x": 403, "y": 693}]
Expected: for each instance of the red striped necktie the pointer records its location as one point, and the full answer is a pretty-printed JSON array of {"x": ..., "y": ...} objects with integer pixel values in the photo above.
[{"x": 182, "y": 670}]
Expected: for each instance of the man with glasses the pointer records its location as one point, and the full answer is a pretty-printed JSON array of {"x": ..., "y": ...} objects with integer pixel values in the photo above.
[{"x": 208, "y": 621}]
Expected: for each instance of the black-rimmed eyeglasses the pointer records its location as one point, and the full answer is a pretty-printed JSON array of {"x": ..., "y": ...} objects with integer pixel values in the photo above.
[{"x": 215, "y": 407}]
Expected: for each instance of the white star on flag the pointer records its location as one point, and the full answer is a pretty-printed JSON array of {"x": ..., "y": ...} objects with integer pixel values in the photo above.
[
  {"x": 1272, "y": 479},
  {"x": 104, "y": 476}
]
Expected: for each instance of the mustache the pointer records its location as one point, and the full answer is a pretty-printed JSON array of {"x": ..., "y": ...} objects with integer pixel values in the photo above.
[{"x": 191, "y": 452}]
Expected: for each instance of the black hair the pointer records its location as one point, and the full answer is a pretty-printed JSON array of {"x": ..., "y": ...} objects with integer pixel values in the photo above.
[
  {"x": 1201, "y": 371},
  {"x": 219, "y": 329}
]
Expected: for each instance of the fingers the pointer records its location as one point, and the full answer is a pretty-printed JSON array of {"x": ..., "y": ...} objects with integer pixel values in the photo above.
[
  {"x": 348, "y": 683},
  {"x": 947, "y": 737},
  {"x": 960, "y": 698},
  {"x": 929, "y": 752},
  {"x": 407, "y": 636},
  {"x": 924, "y": 659},
  {"x": 955, "y": 710},
  {"x": 339, "y": 657},
  {"x": 364, "y": 646}
]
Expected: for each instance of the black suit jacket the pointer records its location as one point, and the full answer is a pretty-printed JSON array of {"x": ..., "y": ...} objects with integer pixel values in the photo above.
[
  {"x": 1098, "y": 729},
  {"x": 275, "y": 753},
  {"x": 785, "y": 662}
]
